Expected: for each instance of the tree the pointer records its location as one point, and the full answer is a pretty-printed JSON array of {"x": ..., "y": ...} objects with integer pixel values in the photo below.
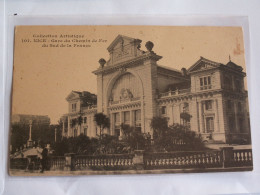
[
  {"x": 159, "y": 126},
  {"x": 79, "y": 122},
  {"x": 42, "y": 133},
  {"x": 102, "y": 122},
  {"x": 126, "y": 130},
  {"x": 177, "y": 138},
  {"x": 79, "y": 145},
  {"x": 19, "y": 136},
  {"x": 73, "y": 122},
  {"x": 135, "y": 139},
  {"x": 185, "y": 118}
]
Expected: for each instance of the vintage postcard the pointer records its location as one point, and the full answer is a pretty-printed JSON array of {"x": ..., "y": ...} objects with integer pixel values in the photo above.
[{"x": 129, "y": 100}]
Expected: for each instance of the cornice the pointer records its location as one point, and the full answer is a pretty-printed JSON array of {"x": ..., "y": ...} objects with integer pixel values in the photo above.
[
  {"x": 128, "y": 63},
  {"x": 125, "y": 106},
  {"x": 191, "y": 95}
]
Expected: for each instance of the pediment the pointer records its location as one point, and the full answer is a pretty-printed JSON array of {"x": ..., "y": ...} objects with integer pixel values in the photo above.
[
  {"x": 203, "y": 64},
  {"x": 123, "y": 48},
  {"x": 119, "y": 42},
  {"x": 73, "y": 95}
]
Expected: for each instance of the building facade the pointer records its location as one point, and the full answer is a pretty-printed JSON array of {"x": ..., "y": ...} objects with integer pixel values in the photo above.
[
  {"x": 26, "y": 118},
  {"x": 132, "y": 88}
]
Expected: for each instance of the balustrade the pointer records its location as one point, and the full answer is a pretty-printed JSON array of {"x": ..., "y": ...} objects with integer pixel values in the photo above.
[
  {"x": 224, "y": 158},
  {"x": 242, "y": 157},
  {"x": 56, "y": 162},
  {"x": 176, "y": 92},
  {"x": 120, "y": 161},
  {"x": 183, "y": 160}
]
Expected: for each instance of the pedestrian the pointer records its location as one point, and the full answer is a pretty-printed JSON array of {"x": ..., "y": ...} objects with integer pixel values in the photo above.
[{"x": 44, "y": 159}]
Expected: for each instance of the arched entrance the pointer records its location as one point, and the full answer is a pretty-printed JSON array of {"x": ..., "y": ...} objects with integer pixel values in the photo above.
[{"x": 125, "y": 102}]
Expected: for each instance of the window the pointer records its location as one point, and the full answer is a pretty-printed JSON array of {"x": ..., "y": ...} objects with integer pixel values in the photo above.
[
  {"x": 209, "y": 124},
  {"x": 229, "y": 105},
  {"x": 163, "y": 110},
  {"x": 127, "y": 117},
  {"x": 227, "y": 83},
  {"x": 117, "y": 118},
  {"x": 74, "y": 107},
  {"x": 137, "y": 117},
  {"x": 208, "y": 105},
  {"x": 231, "y": 123},
  {"x": 85, "y": 120},
  {"x": 85, "y": 131},
  {"x": 205, "y": 83},
  {"x": 186, "y": 107}
]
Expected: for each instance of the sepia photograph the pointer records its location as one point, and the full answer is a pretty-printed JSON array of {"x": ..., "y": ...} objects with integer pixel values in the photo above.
[{"x": 98, "y": 100}]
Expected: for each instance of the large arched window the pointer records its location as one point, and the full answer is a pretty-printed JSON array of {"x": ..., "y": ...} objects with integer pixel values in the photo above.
[{"x": 126, "y": 86}]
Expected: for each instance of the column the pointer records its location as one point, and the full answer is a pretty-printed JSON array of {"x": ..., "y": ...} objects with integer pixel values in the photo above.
[
  {"x": 217, "y": 115},
  {"x": 69, "y": 129},
  {"x": 112, "y": 124},
  {"x": 169, "y": 114},
  {"x": 131, "y": 118},
  {"x": 55, "y": 138},
  {"x": 198, "y": 115},
  {"x": 202, "y": 127},
  {"x": 30, "y": 142},
  {"x": 172, "y": 114},
  {"x": 180, "y": 111},
  {"x": 63, "y": 127},
  {"x": 121, "y": 117},
  {"x": 236, "y": 119},
  {"x": 143, "y": 117},
  {"x": 30, "y": 133},
  {"x": 246, "y": 118}
]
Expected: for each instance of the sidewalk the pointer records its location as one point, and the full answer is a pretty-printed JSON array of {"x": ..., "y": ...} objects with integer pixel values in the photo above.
[{"x": 127, "y": 172}]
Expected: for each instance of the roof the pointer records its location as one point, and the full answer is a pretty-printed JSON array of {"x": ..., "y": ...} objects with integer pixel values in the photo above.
[
  {"x": 169, "y": 68},
  {"x": 182, "y": 85},
  {"x": 202, "y": 59},
  {"x": 233, "y": 65}
]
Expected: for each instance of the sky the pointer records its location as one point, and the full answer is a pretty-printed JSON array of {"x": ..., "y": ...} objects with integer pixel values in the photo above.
[{"x": 44, "y": 76}]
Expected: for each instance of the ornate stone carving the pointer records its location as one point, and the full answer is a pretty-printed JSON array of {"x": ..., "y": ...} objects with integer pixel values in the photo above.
[
  {"x": 125, "y": 94},
  {"x": 102, "y": 62},
  {"x": 149, "y": 46}
]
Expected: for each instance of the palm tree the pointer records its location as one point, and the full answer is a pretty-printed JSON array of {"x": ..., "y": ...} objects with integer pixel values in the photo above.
[
  {"x": 102, "y": 121},
  {"x": 185, "y": 118}
]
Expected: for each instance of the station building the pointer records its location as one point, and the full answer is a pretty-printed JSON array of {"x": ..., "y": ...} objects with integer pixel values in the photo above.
[{"x": 132, "y": 88}]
